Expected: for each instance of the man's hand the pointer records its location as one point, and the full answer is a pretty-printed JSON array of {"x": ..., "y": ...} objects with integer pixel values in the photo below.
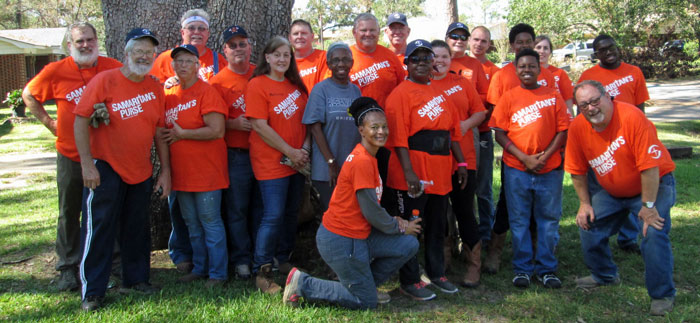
[
  {"x": 651, "y": 218},
  {"x": 172, "y": 135},
  {"x": 172, "y": 81},
  {"x": 585, "y": 216},
  {"x": 462, "y": 176},
  {"x": 163, "y": 184},
  {"x": 534, "y": 163},
  {"x": 241, "y": 123},
  {"x": 333, "y": 171},
  {"x": 91, "y": 177}
]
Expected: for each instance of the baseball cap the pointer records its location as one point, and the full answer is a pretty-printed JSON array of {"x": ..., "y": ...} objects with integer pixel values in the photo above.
[
  {"x": 138, "y": 33},
  {"x": 418, "y": 43},
  {"x": 234, "y": 31},
  {"x": 189, "y": 48},
  {"x": 396, "y": 17},
  {"x": 457, "y": 25}
]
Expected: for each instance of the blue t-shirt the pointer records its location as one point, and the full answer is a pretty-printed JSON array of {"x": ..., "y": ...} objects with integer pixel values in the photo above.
[{"x": 328, "y": 104}]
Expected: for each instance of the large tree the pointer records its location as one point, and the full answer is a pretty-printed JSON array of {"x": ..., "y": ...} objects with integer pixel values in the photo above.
[{"x": 262, "y": 20}]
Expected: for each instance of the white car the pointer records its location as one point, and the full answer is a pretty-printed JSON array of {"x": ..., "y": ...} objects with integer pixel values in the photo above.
[{"x": 580, "y": 51}]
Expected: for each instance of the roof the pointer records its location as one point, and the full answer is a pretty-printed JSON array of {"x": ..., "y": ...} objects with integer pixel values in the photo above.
[{"x": 32, "y": 41}]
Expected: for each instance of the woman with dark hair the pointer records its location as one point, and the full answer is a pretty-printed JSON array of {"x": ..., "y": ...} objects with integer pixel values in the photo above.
[
  {"x": 275, "y": 101},
  {"x": 358, "y": 239},
  {"x": 543, "y": 47},
  {"x": 464, "y": 97}
]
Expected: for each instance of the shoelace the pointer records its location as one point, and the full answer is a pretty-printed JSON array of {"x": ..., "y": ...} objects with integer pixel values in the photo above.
[{"x": 420, "y": 284}]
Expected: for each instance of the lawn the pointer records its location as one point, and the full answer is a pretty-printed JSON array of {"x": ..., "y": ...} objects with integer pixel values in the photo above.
[{"x": 28, "y": 292}]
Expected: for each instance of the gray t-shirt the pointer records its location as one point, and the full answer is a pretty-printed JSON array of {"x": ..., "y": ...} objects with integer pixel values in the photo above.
[{"x": 328, "y": 104}]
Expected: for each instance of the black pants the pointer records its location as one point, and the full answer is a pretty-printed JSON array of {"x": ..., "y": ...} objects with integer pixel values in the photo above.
[{"x": 463, "y": 208}]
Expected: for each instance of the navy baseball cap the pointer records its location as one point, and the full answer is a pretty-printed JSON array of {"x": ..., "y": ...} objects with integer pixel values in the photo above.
[
  {"x": 189, "y": 48},
  {"x": 457, "y": 25},
  {"x": 234, "y": 31},
  {"x": 418, "y": 43},
  {"x": 396, "y": 17},
  {"x": 138, "y": 33}
]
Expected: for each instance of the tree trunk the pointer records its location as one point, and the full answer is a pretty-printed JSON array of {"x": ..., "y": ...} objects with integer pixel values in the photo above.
[
  {"x": 452, "y": 12},
  {"x": 262, "y": 20}
]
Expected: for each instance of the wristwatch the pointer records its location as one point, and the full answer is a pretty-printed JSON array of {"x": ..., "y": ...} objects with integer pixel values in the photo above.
[
  {"x": 330, "y": 161},
  {"x": 649, "y": 205}
]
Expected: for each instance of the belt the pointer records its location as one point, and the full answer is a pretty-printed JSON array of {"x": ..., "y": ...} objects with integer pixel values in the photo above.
[{"x": 433, "y": 142}]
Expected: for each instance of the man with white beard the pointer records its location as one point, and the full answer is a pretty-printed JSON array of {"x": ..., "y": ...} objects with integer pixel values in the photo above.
[
  {"x": 64, "y": 82},
  {"x": 116, "y": 167}
]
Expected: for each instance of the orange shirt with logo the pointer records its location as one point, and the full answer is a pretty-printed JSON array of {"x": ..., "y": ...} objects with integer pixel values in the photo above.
[
  {"x": 625, "y": 83},
  {"x": 562, "y": 82},
  {"x": 282, "y": 105},
  {"x": 506, "y": 79},
  {"x": 490, "y": 69},
  {"x": 232, "y": 86},
  {"x": 465, "y": 99},
  {"x": 532, "y": 118},
  {"x": 162, "y": 68},
  {"x": 344, "y": 216},
  {"x": 471, "y": 69},
  {"x": 64, "y": 83},
  {"x": 618, "y": 154},
  {"x": 410, "y": 108},
  {"x": 196, "y": 165},
  {"x": 377, "y": 73},
  {"x": 135, "y": 110},
  {"x": 313, "y": 68}
]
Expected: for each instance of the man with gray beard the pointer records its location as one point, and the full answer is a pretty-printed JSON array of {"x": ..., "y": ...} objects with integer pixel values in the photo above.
[
  {"x": 116, "y": 168},
  {"x": 64, "y": 82}
]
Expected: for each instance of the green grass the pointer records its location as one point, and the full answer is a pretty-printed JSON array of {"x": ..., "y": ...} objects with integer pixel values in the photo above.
[
  {"x": 28, "y": 292},
  {"x": 29, "y": 136}
]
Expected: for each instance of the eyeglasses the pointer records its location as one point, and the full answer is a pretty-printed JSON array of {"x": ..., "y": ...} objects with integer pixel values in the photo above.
[
  {"x": 458, "y": 37},
  {"x": 139, "y": 52},
  {"x": 418, "y": 59},
  {"x": 242, "y": 44},
  {"x": 344, "y": 60},
  {"x": 200, "y": 29},
  {"x": 594, "y": 102},
  {"x": 605, "y": 50},
  {"x": 185, "y": 62}
]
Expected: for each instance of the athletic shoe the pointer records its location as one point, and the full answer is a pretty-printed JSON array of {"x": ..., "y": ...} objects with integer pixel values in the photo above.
[
  {"x": 291, "y": 288},
  {"x": 521, "y": 280},
  {"x": 549, "y": 280},
  {"x": 383, "y": 298},
  {"x": 91, "y": 303},
  {"x": 417, "y": 291},
  {"x": 243, "y": 271},
  {"x": 444, "y": 285},
  {"x": 659, "y": 307}
]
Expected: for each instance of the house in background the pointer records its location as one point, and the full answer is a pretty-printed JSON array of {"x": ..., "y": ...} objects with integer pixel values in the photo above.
[{"x": 24, "y": 52}]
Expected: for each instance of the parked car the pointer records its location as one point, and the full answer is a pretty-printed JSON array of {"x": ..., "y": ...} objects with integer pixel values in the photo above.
[
  {"x": 577, "y": 50},
  {"x": 672, "y": 47}
]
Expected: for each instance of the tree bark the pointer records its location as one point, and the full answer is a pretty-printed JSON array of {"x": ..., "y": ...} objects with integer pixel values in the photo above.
[
  {"x": 452, "y": 12},
  {"x": 261, "y": 19}
]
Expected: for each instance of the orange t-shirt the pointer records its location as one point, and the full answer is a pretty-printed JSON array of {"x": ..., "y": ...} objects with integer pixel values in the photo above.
[
  {"x": 135, "y": 110},
  {"x": 490, "y": 69},
  {"x": 162, "y": 68},
  {"x": 562, "y": 82},
  {"x": 313, "y": 68},
  {"x": 63, "y": 82},
  {"x": 532, "y": 118},
  {"x": 401, "y": 58},
  {"x": 282, "y": 105},
  {"x": 344, "y": 216},
  {"x": 231, "y": 86},
  {"x": 196, "y": 165},
  {"x": 618, "y": 154},
  {"x": 376, "y": 74},
  {"x": 506, "y": 79},
  {"x": 625, "y": 83},
  {"x": 410, "y": 108},
  {"x": 471, "y": 69},
  {"x": 464, "y": 98}
]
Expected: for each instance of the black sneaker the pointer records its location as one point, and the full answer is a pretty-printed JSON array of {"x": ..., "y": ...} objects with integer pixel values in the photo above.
[
  {"x": 444, "y": 285},
  {"x": 91, "y": 303},
  {"x": 521, "y": 280},
  {"x": 549, "y": 280},
  {"x": 417, "y": 291}
]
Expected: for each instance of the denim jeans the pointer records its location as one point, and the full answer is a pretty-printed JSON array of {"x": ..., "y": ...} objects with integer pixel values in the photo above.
[
  {"x": 278, "y": 225},
  {"x": 628, "y": 232},
  {"x": 179, "y": 246},
  {"x": 202, "y": 214},
  {"x": 484, "y": 189},
  {"x": 610, "y": 213},
  {"x": 243, "y": 204},
  {"x": 361, "y": 266},
  {"x": 529, "y": 194}
]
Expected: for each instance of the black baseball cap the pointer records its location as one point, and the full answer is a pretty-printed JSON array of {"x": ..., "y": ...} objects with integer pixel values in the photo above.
[
  {"x": 234, "y": 31},
  {"x": 457, "y": 25},
  {"x": 189, "y": 48},
  {"x": 396, "y": 17},
  {"x": 138, "y": 33},
  {"x": 418, "y": 43}
]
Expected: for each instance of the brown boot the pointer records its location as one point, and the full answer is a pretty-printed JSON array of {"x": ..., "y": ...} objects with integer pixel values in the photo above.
[
  {"x": 473, "y": 260},
  {"x": 493, "y": 258},
  {"x": 264, "y": 281}
]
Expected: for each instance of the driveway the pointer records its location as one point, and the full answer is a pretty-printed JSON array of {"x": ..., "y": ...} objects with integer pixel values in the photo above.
[{"x": 673, "y": 100}]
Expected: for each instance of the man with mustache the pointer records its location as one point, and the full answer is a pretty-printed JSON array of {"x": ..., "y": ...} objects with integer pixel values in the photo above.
[
  {"x": 116, "y": 166},
  {"x": 64, "y": 82}
]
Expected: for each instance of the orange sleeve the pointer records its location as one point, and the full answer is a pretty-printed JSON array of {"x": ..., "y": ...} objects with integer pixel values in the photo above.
[
  {"x": 256, "y": 100},
  {"x": 398, "y": 127},
  {"x": 482, "y": 83},
  {"x": 644, "y": 136},
  {"x": 575, "y": 161},
  {"x": 363, "y": 175},
  {"x": 40, "y": 86},
  {"x": 565, "y": 86},
  {"x": 476, "y": 102},
  {"x": 562, "y": 113},
  {"x": 641, "y": 92},
  {"x": 212, "y": 102},
  {"x": 495, "y": 90},
  {"x": 499, "y": 116}
]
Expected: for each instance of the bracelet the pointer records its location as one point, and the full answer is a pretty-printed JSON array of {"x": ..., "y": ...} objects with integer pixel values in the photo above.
[
  {"x": 507, "y": 145},
  {"x": 462, "y": 164}
]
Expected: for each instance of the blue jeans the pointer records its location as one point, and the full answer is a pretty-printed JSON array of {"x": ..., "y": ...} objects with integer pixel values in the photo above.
[
  {"x": 202, "y": 214},
  {"x": 610, "y": 213},
  {"x": 278, "y": 225},
  {"x": 484, "y": 190},
  {"x": 529, "y": 194},
  {"x": 179, "y": 246},
  {"x": 243, "y": 203},
  {"x": 361, "y": 266},
  {"x": 628, "y": 232}
]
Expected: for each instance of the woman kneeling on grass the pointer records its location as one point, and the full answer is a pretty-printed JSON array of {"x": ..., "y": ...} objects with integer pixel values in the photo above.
[{"x": 358, "y": 239}]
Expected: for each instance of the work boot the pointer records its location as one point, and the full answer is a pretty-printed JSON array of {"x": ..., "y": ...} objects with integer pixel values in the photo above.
[
  {"x": 264, "y": 280},
  {"x": 68, "y": 280},
  {"x": 493, "y": 258},
  {"x": 473, "y": 260}
]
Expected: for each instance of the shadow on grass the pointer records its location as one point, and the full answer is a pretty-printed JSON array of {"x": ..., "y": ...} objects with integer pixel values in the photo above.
[{"x": 5, "y": 128}]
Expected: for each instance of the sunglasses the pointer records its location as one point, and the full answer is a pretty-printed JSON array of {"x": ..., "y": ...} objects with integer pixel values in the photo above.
[
  {"x": 418, "y": 59},
  {"x": 458, "y": 37},
  {"x": 233, "y": 45}
]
